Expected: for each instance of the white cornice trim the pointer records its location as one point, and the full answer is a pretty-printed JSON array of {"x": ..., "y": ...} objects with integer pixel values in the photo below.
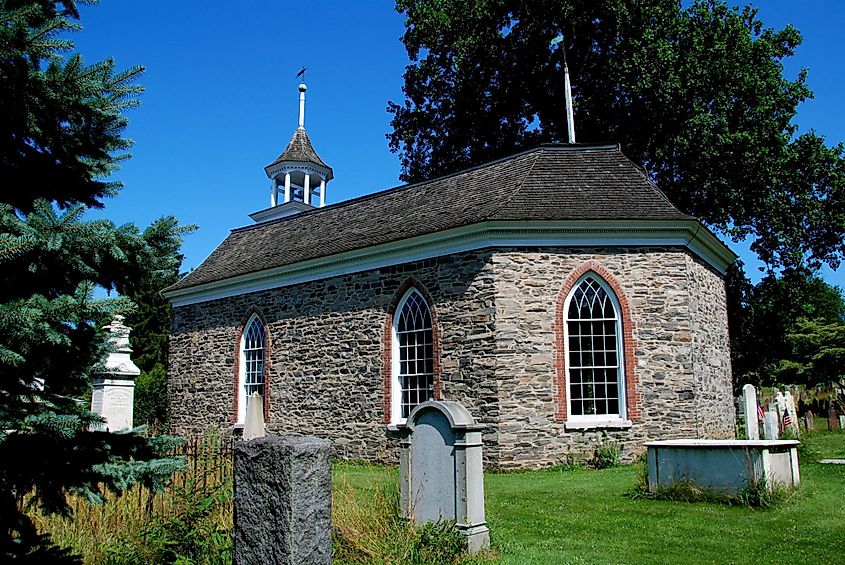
[{"x": 682, "y": 233}]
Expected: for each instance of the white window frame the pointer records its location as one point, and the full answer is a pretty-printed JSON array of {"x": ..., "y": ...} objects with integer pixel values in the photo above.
[
  {"x": 396, "y": 381},
  {"x": 242, "y": 366},
  {"x": 597, "y": 419}
]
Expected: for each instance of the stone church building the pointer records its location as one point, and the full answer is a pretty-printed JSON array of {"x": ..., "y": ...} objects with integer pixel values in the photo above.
[{"x": 556, "y": 293}]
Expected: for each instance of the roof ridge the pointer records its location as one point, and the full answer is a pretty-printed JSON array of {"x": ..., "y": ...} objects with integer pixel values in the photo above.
[
  {"x": 653, "y": 185},
  {"x": 518, "y": 188},
  {"x": 391, "y": 190}
]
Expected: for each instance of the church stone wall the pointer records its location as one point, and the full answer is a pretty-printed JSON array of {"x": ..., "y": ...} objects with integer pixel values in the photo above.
[
  {"x": 711, "y": 359},
  {"x": 325, "y": 352},
  {"x": 495, "y": 311},
  {"x": 672, "y": 367}
]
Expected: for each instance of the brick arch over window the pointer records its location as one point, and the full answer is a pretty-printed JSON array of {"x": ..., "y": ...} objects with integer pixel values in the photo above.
[
  {"x": 236, "y": 370},
  {"x": 632, "y": 396},
  {"x": 387, "y": 344}
]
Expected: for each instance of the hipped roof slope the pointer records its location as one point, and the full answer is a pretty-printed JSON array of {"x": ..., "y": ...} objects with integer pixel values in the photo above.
[{"x": 552, "y": 182}]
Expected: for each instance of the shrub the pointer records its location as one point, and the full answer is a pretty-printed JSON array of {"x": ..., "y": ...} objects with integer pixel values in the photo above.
[
  {"x": 605, "y": 454},
  {"x": 151, "y": 406}
]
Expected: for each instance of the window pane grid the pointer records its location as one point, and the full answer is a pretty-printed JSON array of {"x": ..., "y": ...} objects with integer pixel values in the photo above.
[
  {"x": 416, "y": 353},
  {"x": 254, "y": 351},
  {"x": 592, "y": 351}
]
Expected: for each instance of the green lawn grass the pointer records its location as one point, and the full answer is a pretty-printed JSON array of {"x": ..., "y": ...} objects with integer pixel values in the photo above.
[{"x": 580, "y": 516}]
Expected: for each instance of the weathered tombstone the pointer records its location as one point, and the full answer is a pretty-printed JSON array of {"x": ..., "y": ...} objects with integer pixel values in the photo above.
[
  {"x": 441, "y": 475},
  {"x": 254, "y": 420},
  {"x": 113, "y": 391},
  {"x": 793, "y": 413},
  {"x": 749, "y": 403},
  {"x": 831, "y": 419},
  {"x": 770, "y": 425},
  {"x": 780, "y": 402},
  {"x": 809, "y": 421},
  {"x": 283, "y": 501},
  {"x": 842, "y": 422}
]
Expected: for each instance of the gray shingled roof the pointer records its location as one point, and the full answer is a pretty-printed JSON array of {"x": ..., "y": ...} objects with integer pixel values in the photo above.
[
  {"x": 299, "y": 149},
  {"x": 554, "y": 182}
]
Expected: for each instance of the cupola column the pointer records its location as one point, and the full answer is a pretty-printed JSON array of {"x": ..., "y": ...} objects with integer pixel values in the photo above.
[
  {"x": 287, "y": 187},
  {"x": 322, "y": 192},
  {"x": 274, "y": 192},
  {"x": 306, "y": 189}
]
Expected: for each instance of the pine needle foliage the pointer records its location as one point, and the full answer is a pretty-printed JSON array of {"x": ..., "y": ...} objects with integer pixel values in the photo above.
[{"x": 61, "y": 135}]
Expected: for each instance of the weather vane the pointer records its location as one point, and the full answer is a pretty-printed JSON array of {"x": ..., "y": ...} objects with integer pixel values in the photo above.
[{"x": 301, "y": 73}]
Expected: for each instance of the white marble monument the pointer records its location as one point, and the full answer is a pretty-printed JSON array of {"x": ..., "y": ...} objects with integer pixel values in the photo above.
[
  {"x": 254, "y": 421},
  {"x": 114, "y": 389},
  {"x": 749, "y": 409}
]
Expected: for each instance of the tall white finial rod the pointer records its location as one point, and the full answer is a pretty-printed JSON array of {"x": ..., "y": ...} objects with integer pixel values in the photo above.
[
  {"x": 567, "y": 88},
  {"x": 302, "y": 89},
  {"x": 570, "y": 118}
]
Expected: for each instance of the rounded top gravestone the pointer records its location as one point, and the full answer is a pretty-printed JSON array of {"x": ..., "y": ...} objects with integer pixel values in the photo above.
[{"x": 441, "y": 471}]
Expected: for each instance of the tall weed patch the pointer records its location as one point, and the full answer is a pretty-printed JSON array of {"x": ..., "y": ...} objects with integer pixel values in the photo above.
[{"x": 189, "y": 521}]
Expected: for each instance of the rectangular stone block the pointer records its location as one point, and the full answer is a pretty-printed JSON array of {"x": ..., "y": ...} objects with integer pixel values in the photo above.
[{"x": 283, "y": 494}]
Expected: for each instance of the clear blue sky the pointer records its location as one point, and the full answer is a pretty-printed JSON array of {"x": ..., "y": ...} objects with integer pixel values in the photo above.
[{"x": 221, "y": 99}]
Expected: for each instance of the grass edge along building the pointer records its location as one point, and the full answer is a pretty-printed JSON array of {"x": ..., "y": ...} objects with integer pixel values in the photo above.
[{"x": 556, "y": 293}]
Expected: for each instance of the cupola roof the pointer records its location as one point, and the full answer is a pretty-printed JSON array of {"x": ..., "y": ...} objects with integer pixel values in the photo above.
[{"x": 300, "y": 150}]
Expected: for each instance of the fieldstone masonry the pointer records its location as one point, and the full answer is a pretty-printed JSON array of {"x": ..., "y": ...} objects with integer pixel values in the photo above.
[
  {"x": 495, "y": 315},
  {"x": 283, "y": 501}
]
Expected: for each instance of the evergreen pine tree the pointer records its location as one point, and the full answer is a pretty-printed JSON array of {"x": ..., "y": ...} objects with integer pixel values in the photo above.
[{"x": 61, "y": 134}]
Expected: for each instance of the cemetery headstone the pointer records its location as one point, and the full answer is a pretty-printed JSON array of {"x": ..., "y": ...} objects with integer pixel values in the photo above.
[
  {"x": 254, "y": 419},
  {"x": 113, "y": 391},
  {"x": 831, "y": 419},
  {"x": 780, "y": 402},
  {"x": 770, "y": 425},
  {"x": 283, "y": 501},
  {"x": 440, "y": 467},
  {"x": 842, "y": 422},
  {"x": 793, "y": 413},
  {"x": 749, "y": 403},
  {"x": 809, "y": 421}
]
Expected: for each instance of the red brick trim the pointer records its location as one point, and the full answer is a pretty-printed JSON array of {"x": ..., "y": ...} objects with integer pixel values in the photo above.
[
  {"x": 237, "y": 364},
  {"x": 387, "y": 344},
  {"x": 628, "y": 344}
]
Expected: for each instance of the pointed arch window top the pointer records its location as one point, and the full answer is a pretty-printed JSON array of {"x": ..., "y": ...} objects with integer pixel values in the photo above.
[
  {"x": 254, "y": 338},
  {"x": 590, "y": 301},
  {"x": 415, "y": 314}
]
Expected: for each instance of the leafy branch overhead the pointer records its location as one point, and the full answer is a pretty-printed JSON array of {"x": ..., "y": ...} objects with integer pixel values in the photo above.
[{"x": 697, "y": 94}]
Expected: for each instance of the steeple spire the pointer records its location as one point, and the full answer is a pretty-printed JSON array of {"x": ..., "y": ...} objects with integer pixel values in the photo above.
[
  {"x": 302, "y": 89},
  {"x": 297, "y": 176},
  {"x": 567, "y": 91}
]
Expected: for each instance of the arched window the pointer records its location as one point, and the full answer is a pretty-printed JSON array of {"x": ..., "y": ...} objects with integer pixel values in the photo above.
[
  {"x": 595, "y": 368},
  {"x": 253, "y": 352},
  {"x": 413, "y": 356}
]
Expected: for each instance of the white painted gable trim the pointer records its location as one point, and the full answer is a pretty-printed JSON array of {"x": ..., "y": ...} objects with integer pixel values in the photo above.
[{"x": 684, "y": 233}]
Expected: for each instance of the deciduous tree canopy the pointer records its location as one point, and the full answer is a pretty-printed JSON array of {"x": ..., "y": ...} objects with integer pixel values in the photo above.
[{"x": 697, "y": 95}]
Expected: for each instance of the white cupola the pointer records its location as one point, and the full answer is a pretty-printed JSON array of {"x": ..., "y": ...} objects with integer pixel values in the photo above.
[{"x": 298, "y": 176}]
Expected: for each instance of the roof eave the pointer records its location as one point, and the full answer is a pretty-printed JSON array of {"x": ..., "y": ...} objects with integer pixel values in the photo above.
[{"x": 690, "y": 234}]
